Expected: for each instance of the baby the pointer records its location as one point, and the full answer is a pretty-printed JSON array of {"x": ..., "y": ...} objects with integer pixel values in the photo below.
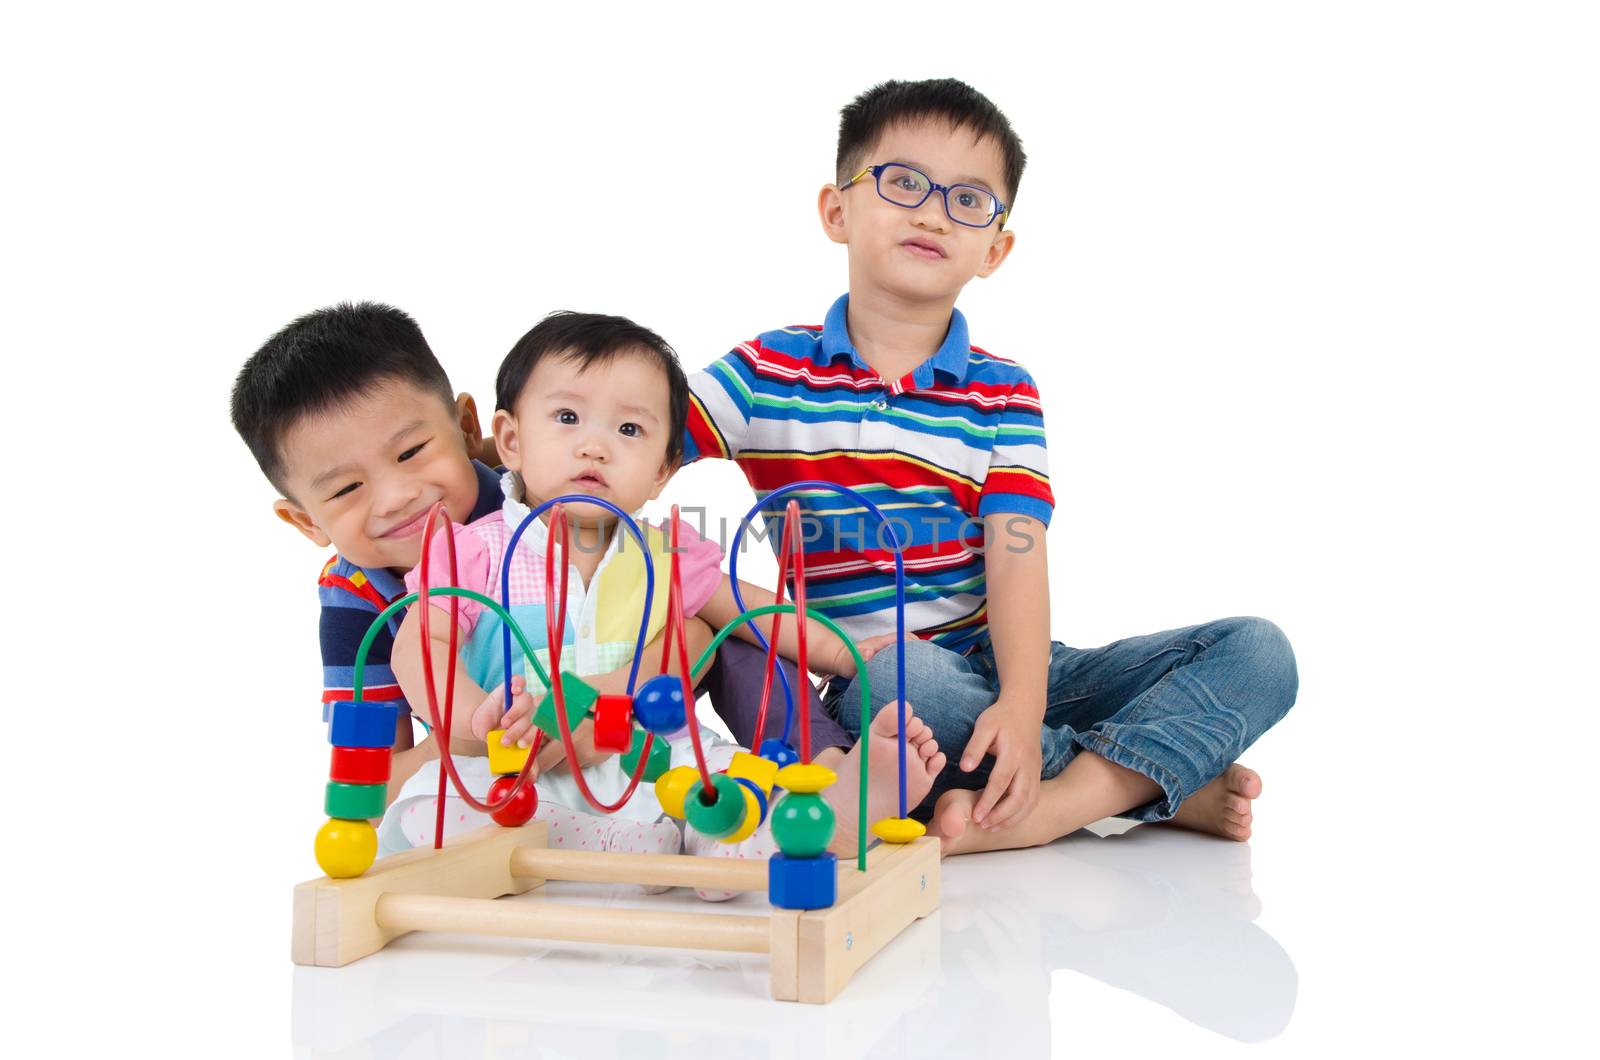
[{"x": 592, "y": 405}]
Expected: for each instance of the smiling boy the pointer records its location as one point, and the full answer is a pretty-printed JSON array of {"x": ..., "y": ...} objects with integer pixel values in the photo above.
[
  {"x": 351, "y": 417},
  {"x": 890, "y": 398}
]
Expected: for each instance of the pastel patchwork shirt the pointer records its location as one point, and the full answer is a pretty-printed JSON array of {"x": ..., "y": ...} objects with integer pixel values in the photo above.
[{"x": 602, "y": 624}]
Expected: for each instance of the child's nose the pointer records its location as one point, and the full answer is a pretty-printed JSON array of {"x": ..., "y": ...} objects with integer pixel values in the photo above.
[
  {"x": 931, "y": 215},
  {"x": 397, "y": 493},
  {"x": 593, "y": 447}
]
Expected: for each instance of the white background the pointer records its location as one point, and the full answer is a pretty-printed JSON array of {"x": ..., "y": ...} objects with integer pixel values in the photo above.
[{"x": 1309, "y": 292}]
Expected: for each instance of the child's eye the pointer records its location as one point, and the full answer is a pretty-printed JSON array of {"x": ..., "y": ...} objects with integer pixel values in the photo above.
[
  {"x": 567, "y": 416},
  {"x": 631, "y": 430},
  {"x": 347, "y": 490},
  {"x": 413, "y": 451}
]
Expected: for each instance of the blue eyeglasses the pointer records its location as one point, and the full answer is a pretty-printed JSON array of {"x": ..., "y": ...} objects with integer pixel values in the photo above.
[{"x": 965, "y": 204}]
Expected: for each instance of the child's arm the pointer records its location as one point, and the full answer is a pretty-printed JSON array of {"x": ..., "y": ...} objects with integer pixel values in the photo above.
[
  {"x": 406, "y": 661},
  {"x": 518, "y": 723},
  {"x": 1015, "y": 566},
  {"x": 825, "y": 653}
]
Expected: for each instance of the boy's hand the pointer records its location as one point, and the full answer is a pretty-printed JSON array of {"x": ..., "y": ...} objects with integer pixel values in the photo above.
[
  {"x": 844, "y": 664},
  {"x": 1010, "y": 732}
]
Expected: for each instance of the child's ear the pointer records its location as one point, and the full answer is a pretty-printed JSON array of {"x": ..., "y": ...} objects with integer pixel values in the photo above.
[
  {"x": 301, "y": 520},
  {"x": 998, "y": 251},
  {"x": 478, "y": 447},
  {"x": 830, "y": 208},
  {"x": 507, "y": 441}
]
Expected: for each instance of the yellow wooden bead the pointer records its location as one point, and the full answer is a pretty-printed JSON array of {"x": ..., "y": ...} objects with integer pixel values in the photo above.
[
  {"x": 673, "y": 786},
  {"x": 752, "y": 818},
  {"x": 753, "y": 767},
  {"x": 806, "y": 778},
  {"x": 502, "y": 759},
  {"x": 346, "y": 848},
  {"x": 898, "y": 829}
]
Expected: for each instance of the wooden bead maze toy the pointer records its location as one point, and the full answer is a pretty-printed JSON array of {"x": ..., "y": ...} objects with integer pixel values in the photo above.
[{"x": 828, "y": 918}]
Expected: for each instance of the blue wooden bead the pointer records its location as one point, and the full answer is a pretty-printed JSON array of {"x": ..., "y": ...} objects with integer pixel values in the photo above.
[
  {"x": 775, "y": 750},
  {"x": 802, "y": 883},
  {"x": 355, "y": 723},
  {"x": 761, "y": 796},
  {"x": 658, "y": 704}
]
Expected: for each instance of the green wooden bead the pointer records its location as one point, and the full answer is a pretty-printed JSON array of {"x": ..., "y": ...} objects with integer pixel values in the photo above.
[
  {"x": 659, "y": 762},
  {"x": 802, "y": 824},
  {"x": 579, "y": 696},
  {"x": 721, "y": 818},
  {"x": 354, "y": 802}
]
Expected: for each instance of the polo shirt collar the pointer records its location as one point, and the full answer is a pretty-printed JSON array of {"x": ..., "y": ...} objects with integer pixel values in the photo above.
[{"x": 950, "y": 358}]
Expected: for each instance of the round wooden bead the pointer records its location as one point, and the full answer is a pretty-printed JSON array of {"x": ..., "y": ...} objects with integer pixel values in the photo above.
[
  {"x": 520, "y": 810},
  {"x": 753, "y": 807},
  {"x": 672, "y": 786},
  {"x": 775, "y": 750},
  {"x": 658, "y": 704},
  {"x": 721, "y": 818},
  {"x": 898, "y": 829},
  {"x": 360, "y": 765},
  {"x": 802, "y": 824},
  {"x": 613, "y": 723},
  {"x": 806, "y": 778},
  {"x": 354, "y": 801},
  {"x": 346, "y": 848}
]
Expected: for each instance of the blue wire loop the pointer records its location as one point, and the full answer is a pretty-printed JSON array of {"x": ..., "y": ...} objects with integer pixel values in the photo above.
[
  {"x": 899, "y": 603},
  {"x": 505, "y": 582}
]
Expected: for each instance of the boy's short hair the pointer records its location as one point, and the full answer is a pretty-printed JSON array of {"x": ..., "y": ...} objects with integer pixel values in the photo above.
[
  {"x": 863, "y": 121},
  {"x": 594, "y": 338},
  {"x": 322, "y": 361}
]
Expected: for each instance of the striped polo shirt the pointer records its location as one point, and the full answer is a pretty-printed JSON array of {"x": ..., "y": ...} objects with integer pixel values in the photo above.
[{"x": 959, "y": 438}]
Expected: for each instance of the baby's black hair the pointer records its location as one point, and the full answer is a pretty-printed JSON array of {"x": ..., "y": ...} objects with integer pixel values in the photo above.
[
  {"x": 863, "y": 122},
  {"x": 324, "y": 360},
  {"x": 593, "y": 338}
]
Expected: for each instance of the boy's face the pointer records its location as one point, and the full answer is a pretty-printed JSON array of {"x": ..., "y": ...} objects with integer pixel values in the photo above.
[
  {"x": 600, "y": 430},
  {"x": 363, "y": 477},
  {"x": 919, "y": 254}
]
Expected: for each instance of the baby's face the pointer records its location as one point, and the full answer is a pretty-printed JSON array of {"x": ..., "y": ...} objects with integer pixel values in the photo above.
[
  {"x": 919, "y": 253},
  {"x": 363, "y": 478},
  {"x": 600, "y": 430}
]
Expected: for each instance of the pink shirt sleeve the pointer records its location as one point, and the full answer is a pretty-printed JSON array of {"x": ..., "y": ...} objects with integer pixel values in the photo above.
[
  {"x": 700, "y": 564},
  {"x": 472, "y": 572}
]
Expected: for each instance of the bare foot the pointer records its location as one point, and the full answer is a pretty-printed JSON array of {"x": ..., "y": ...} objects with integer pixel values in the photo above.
[
  {"x": 1222, "y": 807},
  {"x": 924, "y": 760}
]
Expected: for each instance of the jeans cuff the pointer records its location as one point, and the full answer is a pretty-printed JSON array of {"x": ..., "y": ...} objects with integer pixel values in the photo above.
[{"x": 1172, "y": 792}]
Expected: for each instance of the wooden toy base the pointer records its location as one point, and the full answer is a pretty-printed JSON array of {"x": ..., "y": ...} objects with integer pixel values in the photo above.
[{"x": 813, "y": 954}]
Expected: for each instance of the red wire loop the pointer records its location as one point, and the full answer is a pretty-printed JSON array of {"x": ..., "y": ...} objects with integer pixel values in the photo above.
[{"x": 446, "y": 760}]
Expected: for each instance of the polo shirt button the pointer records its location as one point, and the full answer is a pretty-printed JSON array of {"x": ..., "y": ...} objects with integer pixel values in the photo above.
[
  {"x": 879, "y": 404},
  {"x": 587, "y": 631}
]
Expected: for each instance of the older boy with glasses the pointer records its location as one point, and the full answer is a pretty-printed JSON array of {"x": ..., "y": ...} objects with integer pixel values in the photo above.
[{"x": 890, "y": 398}]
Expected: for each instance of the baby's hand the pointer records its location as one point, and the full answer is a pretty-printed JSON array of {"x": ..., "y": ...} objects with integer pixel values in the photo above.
[{"x": 491, "y": 713}]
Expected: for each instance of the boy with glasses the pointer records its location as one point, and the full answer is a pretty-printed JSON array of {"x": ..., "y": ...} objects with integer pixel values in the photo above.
[{"x": 890, "y": 398}]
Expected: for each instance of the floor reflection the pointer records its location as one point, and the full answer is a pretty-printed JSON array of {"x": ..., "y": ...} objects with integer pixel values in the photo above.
[{"x": 1161, "y": 913}]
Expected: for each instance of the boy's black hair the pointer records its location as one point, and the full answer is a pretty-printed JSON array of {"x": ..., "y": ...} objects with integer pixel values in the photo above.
[
  {"x": 324, "y": 360},
  {"x": 864, "y": 120},
  {"x": 594, "y": 338}
]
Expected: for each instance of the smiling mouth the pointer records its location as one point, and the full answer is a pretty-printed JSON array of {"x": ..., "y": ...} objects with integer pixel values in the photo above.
[{"x": 410, "y": 527}]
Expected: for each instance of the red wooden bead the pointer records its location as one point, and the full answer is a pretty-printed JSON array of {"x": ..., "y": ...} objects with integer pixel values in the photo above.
[
  {"x": 613, "y": 723},
  {"x": 360, "y": 765},
  {"x": 520, "y": 810}
]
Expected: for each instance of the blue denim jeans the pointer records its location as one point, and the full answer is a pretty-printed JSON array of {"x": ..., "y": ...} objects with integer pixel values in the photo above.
[{"x": 1177, "y": 707}]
